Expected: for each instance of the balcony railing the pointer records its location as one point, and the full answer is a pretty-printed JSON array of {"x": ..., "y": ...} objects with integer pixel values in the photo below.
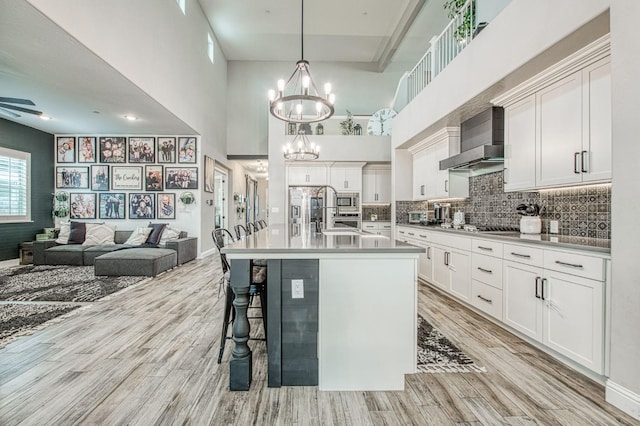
[{"x": 444, "y": 47}]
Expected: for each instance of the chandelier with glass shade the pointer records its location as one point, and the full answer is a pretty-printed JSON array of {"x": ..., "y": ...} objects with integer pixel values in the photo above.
[{"x": 298, "y": 100}]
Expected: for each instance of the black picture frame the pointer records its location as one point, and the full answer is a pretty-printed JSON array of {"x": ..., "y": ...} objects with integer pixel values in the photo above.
[
  {"x": 100, "y": 177},
  {"x": 187, "y": 150},
  {"x": 142, "y": 149},
  {"x": 180, "y": 178},
  {"x": 153, "y": 178},
  {"x": 72, "y": 177},
  {"x": 166, "y": 150},
  {"x": 65, "y": 149},
  {"x": 87, "y": 149},
  {"x": 166, "y": 205},
  {"x": 82, "y": 205},
  {"x": 113, "y": 149},
  {"x": 113, "y": 205},
  {"x": 142, "y": 205}
]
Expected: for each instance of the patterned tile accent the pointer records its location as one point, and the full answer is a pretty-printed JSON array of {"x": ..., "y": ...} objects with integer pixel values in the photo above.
[
  {"x": 583, "y": 211},
  {"x": 383, "y": 212}
]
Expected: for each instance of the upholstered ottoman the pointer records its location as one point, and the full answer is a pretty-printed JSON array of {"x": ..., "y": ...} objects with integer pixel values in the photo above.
[{"x": 135, "y": 261}]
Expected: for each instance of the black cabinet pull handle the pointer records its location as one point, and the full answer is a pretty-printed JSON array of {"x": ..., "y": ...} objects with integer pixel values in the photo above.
[
  {"x": 575, "y": 163},
  {"x": 446, "y": 258},
  {"x": 526, "y": 256},
  {"x": 583, "y": 166},
  {"x": 544, "y": 280},
  {"x": 537, "y": 287},
  {"x": 429, "y": 253},
  {"x": 573, "y": 265},
  {"x": 485, "y": 248},
  {"x": 423, "y": 236},
  {"x": 489, "y": 301},
  {"x": 411, "y": 233},
  {"x": 488, "y": 271}
]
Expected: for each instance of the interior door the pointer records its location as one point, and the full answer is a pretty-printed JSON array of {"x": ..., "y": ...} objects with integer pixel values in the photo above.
[{"x": 220, "y": 197}]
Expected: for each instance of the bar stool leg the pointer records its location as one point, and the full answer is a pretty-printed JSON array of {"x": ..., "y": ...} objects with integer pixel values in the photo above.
[{"x": 225, "y": 321}]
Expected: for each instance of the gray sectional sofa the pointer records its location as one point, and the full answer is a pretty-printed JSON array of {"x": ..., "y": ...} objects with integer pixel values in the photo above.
[{"x": 151, "y": 260}]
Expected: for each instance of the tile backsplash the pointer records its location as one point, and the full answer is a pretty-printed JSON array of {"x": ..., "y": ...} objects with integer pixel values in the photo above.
[
  {"x": 583, "y": 211},
  {"x": 383, "y": 212}
]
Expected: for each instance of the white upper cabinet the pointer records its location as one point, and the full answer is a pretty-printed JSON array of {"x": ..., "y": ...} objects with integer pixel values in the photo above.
[
  {"x": 376, "y": 184},
  {"x": 558, "y": 124},
  {"x": 520, "y": 145},
  {"x": 346, "y": 177},
  {"x": 305, "y": 174}
]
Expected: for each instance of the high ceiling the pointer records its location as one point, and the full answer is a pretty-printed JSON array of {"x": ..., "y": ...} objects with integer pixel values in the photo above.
[{"x": 66, "y": 80}]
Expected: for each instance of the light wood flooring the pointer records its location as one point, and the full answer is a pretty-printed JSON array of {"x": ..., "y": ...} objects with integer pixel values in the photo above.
[{"x": 149, "y": 356}]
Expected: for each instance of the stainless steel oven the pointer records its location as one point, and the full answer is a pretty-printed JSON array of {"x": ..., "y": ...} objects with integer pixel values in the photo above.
[{"x": 348, "y": 203}]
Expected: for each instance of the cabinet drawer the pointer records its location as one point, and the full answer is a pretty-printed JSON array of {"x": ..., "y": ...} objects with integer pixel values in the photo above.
[
  {"x": 574, "y": 264},
  {"x": 490, "y": 248},
  {"x": 368, "y": 226},
  {"x": 521, "y": 254},
  {"x": 453, "y": 241},
  {"x": 487, "y": 269},
  {"x": 486, "y": 298}
]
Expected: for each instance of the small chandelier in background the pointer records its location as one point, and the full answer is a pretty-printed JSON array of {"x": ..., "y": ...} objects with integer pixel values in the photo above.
[
  {"x": 298, "y": 99},
  {"x": 301, "y": 148}
]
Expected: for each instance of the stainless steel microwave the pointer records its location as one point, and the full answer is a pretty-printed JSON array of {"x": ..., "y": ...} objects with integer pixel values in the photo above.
[{"x": 348, "y": 202}]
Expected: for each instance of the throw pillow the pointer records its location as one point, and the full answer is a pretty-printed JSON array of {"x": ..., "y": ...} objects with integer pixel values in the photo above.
[
  {"x": 156, "y": 233},
  {"x": 99, "y": 234},
  {"x": 77, "y": 234},
  {"x": 169, "y": 234},
  {"x": 63, "y": 235},
  {"x": 138, "y": 236}
]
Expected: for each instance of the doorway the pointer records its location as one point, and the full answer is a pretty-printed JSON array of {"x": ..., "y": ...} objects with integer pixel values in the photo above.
[{"x": 220, "y": 195}]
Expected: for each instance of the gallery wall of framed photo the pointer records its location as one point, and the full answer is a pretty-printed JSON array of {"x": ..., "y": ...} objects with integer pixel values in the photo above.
[{"x": 125, "y": 177}]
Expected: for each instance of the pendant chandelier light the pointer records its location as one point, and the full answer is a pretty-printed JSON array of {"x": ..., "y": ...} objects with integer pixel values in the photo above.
[
  {"x": 301, "y": 148},
  {"x": 298, "y": 100}
]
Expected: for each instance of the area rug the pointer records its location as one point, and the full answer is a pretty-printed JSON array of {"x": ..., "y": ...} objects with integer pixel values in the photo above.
[
  {"x": 21, "y": 319},
  {"x": 59, "y": 283},
  {"x": 436, "y": 354}
]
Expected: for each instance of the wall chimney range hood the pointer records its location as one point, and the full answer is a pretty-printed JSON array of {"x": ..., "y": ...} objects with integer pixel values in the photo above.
[{"x": 481, "y": 142}]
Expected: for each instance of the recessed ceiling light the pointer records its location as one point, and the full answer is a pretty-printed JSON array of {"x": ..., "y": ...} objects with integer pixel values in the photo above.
[
  {"x": 131, "y": 117},
  {"x": 44, "y": 117}
]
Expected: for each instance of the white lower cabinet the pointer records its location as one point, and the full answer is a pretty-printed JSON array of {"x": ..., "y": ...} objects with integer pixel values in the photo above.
[
  {"x": 487, "y": 298},
  {"x": 562, "y": 311}
]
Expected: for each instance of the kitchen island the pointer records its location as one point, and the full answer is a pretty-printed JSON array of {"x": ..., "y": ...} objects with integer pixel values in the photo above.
[{"x": 341, "y": 309}]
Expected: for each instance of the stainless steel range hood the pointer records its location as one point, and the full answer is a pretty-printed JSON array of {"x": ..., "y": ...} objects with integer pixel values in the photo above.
[{"x": 481, "y": 142}]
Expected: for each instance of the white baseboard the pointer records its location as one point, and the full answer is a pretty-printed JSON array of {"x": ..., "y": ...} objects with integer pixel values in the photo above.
[
  {"x": 206, "y": 253},
  {"x": 623, "y": 398},
  {"x": 9, "y": 263}
]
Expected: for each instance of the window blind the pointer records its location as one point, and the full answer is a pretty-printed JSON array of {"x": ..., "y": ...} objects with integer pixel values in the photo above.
[{"x": 14, "y": 181}]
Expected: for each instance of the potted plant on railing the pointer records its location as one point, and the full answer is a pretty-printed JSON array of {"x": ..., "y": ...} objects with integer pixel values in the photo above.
[{"x": 467, "y": 15}]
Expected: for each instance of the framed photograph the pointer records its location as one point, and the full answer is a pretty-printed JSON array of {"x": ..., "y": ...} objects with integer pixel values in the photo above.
[
  {"x": 126, "y": 178},
  {"x": 166, "y": 150},
  {"x": 181, "y": 178},
  {"x": 166, "y": 205},
  {"x": 100, "y": 178},
  {"x": 65, "y": 149},
  {"x": 187, "y": 150},
  {"x": 72, "y": 177},
  {"x": 83, "y": 205},
  {"x": 113, "y": 149},
  {"x": 142, "y": 206},
  {"x": 86, "y": 149},
  {"x": 153, "y": 178},
  {"x": 142, "y": 150},
  {"x": 209, "y": 172},
  {"x": 112, "y": 205}
]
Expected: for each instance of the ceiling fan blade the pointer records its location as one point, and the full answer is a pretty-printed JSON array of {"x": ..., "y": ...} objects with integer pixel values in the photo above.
[
  {"x": 27, "y": 110},
  {"x": 9, "y": 113},
  {"x": 17, "y": 101}
]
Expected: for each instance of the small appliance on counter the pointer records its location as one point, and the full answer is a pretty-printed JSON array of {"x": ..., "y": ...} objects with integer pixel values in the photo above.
[
  {"x": 417, "y": 217},
  {"x": 442, "y": 212}
]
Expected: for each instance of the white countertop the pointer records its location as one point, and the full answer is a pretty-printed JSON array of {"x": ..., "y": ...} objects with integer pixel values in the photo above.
[{"x": 277, "y": 239}]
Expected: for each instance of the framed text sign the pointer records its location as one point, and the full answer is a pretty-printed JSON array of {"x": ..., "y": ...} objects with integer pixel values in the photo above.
[{"x": 126, "y": 177}]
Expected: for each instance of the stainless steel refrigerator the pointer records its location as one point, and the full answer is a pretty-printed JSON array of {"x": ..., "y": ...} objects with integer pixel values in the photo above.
[{"x": 306, "y": 209}]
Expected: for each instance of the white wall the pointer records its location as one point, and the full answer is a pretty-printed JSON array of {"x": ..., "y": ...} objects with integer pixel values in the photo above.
[
  {"x": 524, "y": 39},
  {"x": 358, "y": 88},
  {"x": 164, "y": 53},
  {"x": 625, "y": 204}
]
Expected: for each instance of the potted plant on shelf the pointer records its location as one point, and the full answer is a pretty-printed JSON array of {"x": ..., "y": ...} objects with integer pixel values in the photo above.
[{"x": 347, "y": 125}]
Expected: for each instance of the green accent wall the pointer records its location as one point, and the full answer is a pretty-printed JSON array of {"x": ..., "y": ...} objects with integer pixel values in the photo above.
[{"x": 40, "y": 145}]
